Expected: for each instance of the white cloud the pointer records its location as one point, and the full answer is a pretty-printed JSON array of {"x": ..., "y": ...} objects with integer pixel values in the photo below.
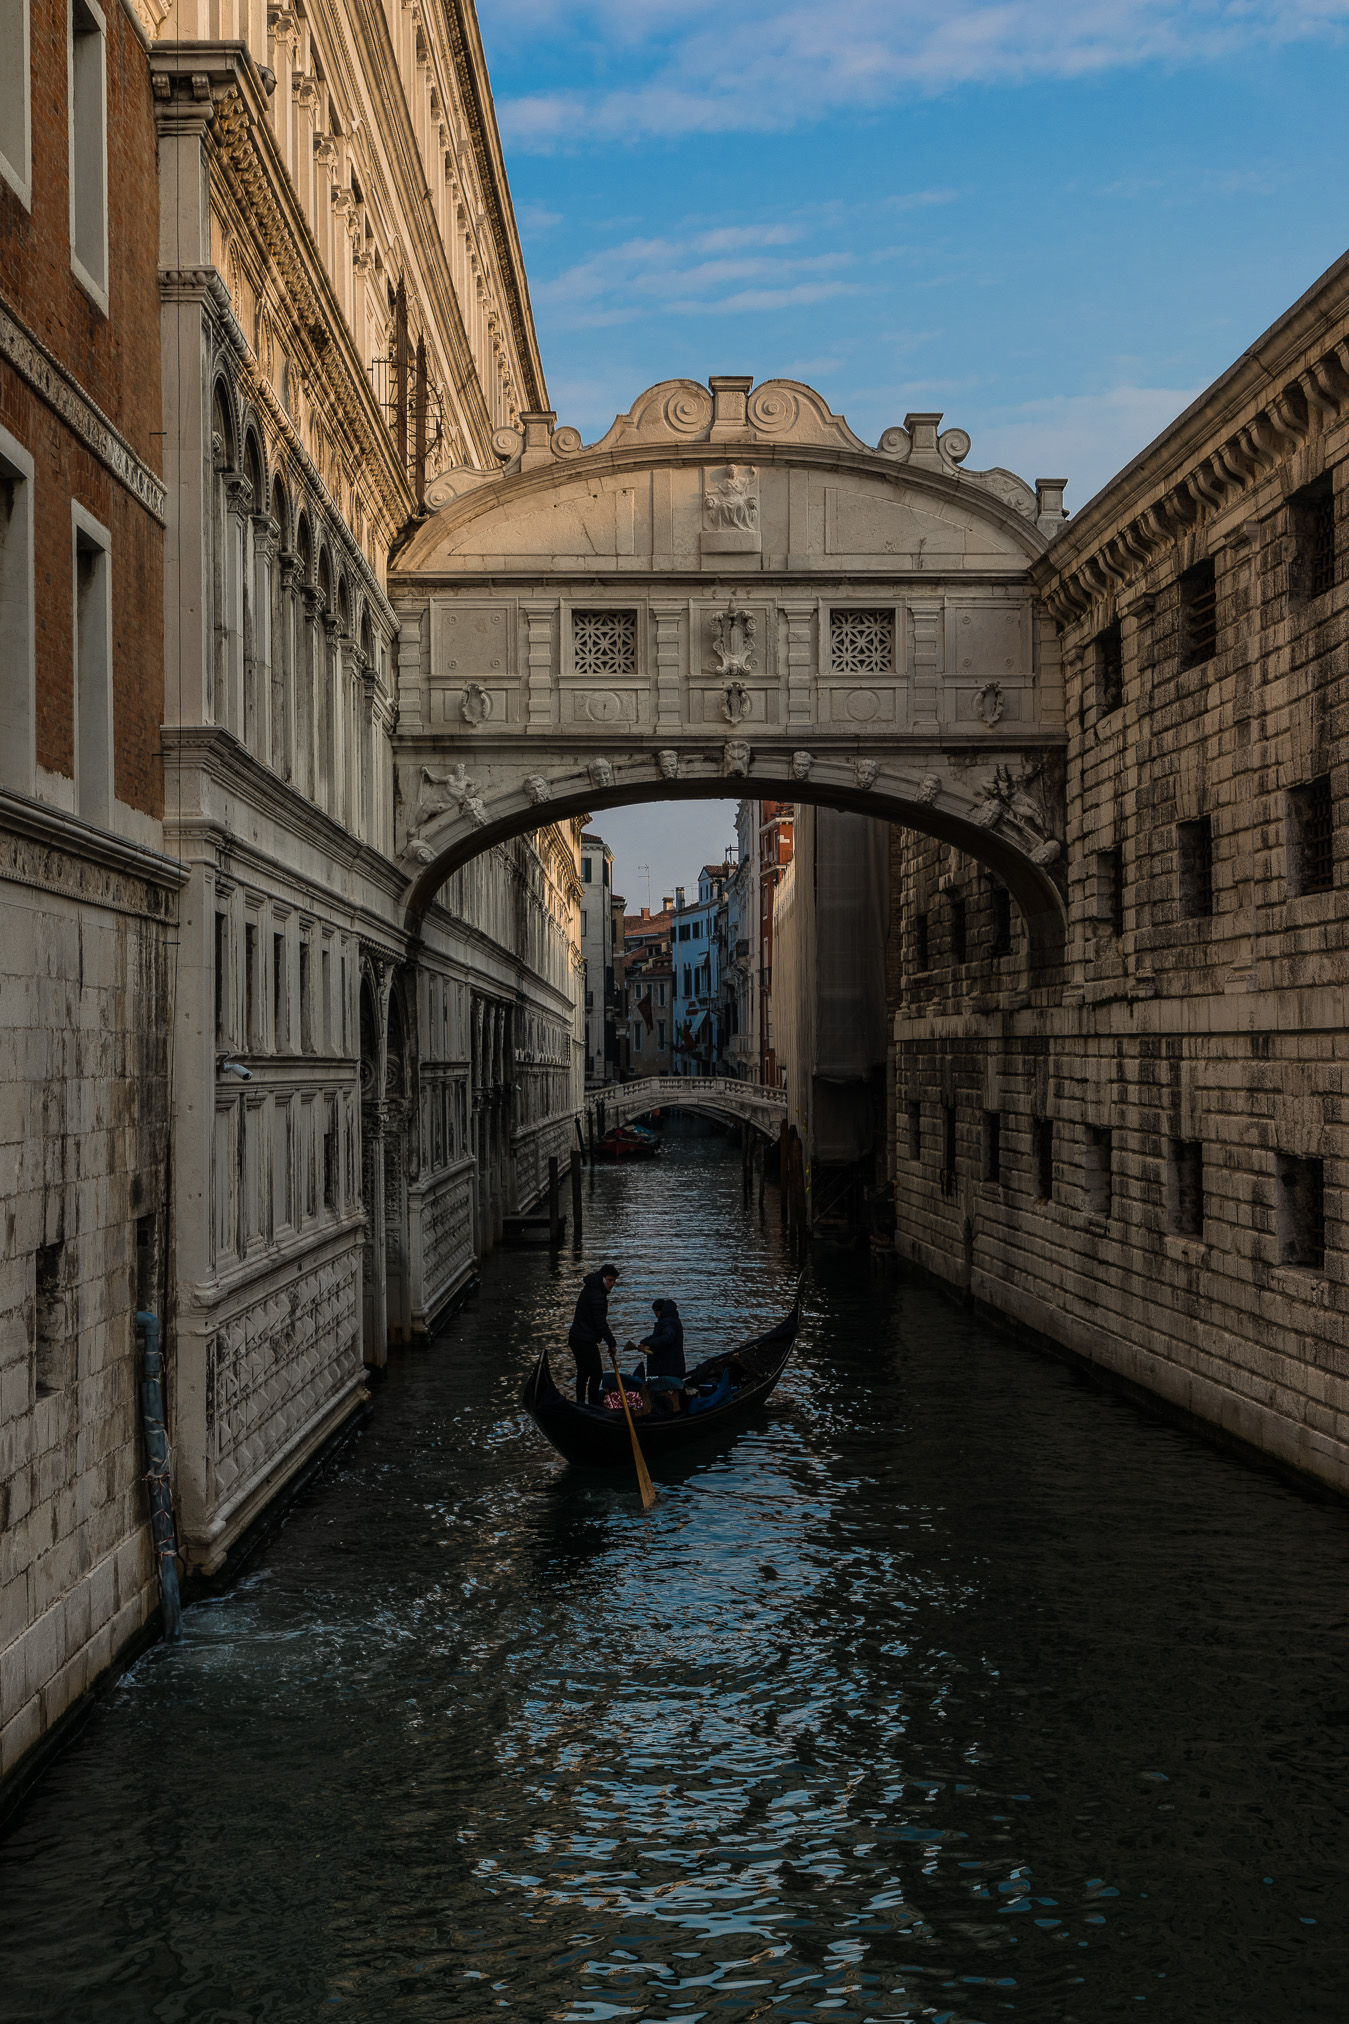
[
  {"x": 1086, "y": 438},
  {"x": 693, "y": 66},
  {"x": 725, "y": 271}
]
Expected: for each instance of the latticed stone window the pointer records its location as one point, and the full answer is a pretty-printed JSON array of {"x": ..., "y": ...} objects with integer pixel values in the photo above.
[
  {"x": 862, "y": 642},
  {"x": 604, "y": 642}
]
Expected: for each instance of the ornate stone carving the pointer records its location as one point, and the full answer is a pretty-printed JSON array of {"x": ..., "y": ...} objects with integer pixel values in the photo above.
[
  {"x": 733, "y": 635},
  {"x": 537, "y": 788},
  {"x": 735, "y": 758},
  {"x": 954, "y": 445},
  {"x": 1018, "y": 797},
  {"x": 507, "y": 443},
  {"x": 567, "y": 442},
  {"x": 801, "y": 765},
  {"x": 602, "y": 706},
  {"x": 731, "y": 500},
  {"x": 864, "y": 772},
  {"x": 929, "y": 787},
  {"x": 667, "y": 763},
  {"x": 989, "y": 704},
  {"x": 476, "y": 705},
  {"x": 601, "y": 773},
  {"x": 736, "y": 704},
  {"x": 439, "y": 793}
]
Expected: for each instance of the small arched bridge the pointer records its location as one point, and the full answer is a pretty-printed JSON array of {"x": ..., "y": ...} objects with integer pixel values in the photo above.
[{"x": 719, "y": 1095}]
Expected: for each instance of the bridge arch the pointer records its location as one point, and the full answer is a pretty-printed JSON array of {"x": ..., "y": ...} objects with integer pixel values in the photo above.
[
  {"x": 731, "y": 594},
  {"x": 721, "y": 1096}
]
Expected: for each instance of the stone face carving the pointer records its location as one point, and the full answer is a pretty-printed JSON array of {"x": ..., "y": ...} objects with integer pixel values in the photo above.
[
  {"x": 440, "y": 792},
  {"x": 864, "y": 772},
  {"x": 476, "y": 706},
  {"x": 736, "y": 703},
  {"x": 731, "y": 500},
  {"x": 601, "y": 773},
  {"x": 929, "y": 787},
  {"x": 537, "y": 788},
  {"x": 668, "y": 764},
  {"x": 801, "y": 765},
  {"x": 988, "y": 703},
  {"x": 735, "y": 758}
]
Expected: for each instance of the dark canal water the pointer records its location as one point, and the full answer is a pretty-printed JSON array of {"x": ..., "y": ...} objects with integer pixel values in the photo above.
[{"x": 958, "y": 1691}]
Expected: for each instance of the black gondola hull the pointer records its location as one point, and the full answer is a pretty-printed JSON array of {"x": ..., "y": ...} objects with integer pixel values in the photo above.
[{"x": 597, "y": 1438}]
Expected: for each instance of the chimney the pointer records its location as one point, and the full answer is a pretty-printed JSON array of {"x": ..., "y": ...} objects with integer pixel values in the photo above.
[
  {"x": 646, "y": 913},
  {"x": 666, "y": 904},
  {"x": 679, "y": 896}
]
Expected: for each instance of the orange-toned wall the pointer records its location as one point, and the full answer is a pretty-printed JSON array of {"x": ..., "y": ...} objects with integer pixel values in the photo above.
[{"x": 115, "y": 359}]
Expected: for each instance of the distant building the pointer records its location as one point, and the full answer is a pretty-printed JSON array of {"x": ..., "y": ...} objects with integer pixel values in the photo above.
[
  {"x": 697, "y": 973},
  {"x": 597, "y": 948},
  {"x": 649, "y": 993},
  {"x": 774, "y": 843}
]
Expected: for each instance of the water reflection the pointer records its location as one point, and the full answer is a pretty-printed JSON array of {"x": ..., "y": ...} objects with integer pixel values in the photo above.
[{"x": 956, "y": 1690}]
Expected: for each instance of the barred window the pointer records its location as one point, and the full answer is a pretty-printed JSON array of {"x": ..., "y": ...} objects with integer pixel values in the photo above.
[
  {"x": 604, "y": 642},
  {"x": 1302, "y": 1212},
  {"x": 1314, "y": 539},
  {"x": 1313, "y": 836},
  {"x": 1109, "y": 670},
  {"x": 862, "y": 642},
  {"x": 1198, "y": 615},
  {"x": 1195, "y": 852}
]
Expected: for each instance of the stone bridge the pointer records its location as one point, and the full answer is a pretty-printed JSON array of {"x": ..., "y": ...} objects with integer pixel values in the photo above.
[
  {"x": 730, "y": 593},
  {"x": 719, "y": 1095}
]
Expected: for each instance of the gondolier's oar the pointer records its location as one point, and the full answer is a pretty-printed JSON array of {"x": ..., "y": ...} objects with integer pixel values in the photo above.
[{"x": 644, "y": 1482}]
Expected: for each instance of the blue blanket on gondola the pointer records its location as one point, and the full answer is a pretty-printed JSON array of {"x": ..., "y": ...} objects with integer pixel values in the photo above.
[{"x": 716, "y": 1398}]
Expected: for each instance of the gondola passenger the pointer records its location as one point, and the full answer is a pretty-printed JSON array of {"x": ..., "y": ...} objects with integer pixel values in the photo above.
[
  {"x": 664, "y": 1352},
  {"x": 589, "y": 1328}
]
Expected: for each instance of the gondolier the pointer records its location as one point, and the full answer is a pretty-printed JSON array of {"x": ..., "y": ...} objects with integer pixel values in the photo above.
[{"x": 589, "y": 1328}]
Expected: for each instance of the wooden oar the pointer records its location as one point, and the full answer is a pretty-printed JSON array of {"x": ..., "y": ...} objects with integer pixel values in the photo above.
[{"x": 644, "y": 1482}]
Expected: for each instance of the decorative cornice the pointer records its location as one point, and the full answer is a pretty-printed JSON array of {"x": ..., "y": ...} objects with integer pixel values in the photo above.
[
  {"x": 49, "y": 379},
  {"x": 56, "y": 852}
]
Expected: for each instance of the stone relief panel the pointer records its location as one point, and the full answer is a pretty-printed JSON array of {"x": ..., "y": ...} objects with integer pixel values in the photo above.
[{"x": 473, "y": 679}]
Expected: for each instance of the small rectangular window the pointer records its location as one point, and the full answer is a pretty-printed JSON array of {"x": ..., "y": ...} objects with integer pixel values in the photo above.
[
  {"x": 16, "y": 118},
  {"x": 637, "y": 1038},
  {"x": 1198, "y": 615},
  {"x": 957, "y": 928},
  {"x": 660, "y": 1033},
  {"x": 222, "y": 982},
  {"x": 1311, "y": 811},
  {"x": 1042, "y": 1152},
  {"x": 1195, "y": 852},
  {"x": 280, "y": 1022},
  {"x": 948, "y": 1144},
  {"x": 1002, "y": 919},
  {"x": 1097, "y": 1174},
  {"x": 89, "y": 148},
  {"x": 604, "y": 642},
  {"x": 862, "y": 642},
  {"x": 1313, "y": 521},
  {"x": 1186, "y": 1187},
  {"x": 330, "y": 1157},
  {"x": 306, "y": 1003},
  {"x": 921, "y": 959},
  {"x": 1109, "y": 670},
  {"x": 93, "y": 670},
  {"x": 915, "y": 1129},
  {"x": 1302, "y": 1212},
  {"x": 18, "y": 715},
  {"x": 585, "y": 871},
  {"x": 1108, "y": 897},
  {"x": 326, "y": 990},
  {"x": 250, "y": 985},
  {"x": 992, "y": 1147},
  {"x": 51, "y": 1321}
]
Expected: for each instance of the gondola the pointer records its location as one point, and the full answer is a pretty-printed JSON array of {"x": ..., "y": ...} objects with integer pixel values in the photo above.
[
  {"x": 598, "y": 1437},
  {"x": 629, "y": 1142}
]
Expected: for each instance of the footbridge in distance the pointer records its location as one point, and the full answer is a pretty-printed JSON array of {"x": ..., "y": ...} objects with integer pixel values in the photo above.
[{"x": 719, "y": 1096}]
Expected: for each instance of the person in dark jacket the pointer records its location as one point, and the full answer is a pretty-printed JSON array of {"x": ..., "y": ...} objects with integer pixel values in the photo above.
[
  {"x": 664, "y": 1350},
  {"x": 589, "y": 1328}
]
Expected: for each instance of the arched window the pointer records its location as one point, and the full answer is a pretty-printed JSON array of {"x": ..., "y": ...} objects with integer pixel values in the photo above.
[
  {"x": 283, "y": 735},
  {"x": 256, "y": 595}
]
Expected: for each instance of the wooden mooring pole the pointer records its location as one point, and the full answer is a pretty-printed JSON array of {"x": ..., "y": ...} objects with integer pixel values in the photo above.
[
  {"x": 554, "y": 1205},
  {"x": 576, "y": 1201}
]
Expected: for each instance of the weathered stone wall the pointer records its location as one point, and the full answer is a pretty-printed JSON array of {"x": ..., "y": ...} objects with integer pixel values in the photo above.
[
  {"x": 1167, "y": 1194},
  {"x": 84, "y": 974}
]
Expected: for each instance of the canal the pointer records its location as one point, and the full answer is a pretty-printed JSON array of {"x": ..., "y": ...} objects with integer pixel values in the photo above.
[{"x": 959, "y": 1690}]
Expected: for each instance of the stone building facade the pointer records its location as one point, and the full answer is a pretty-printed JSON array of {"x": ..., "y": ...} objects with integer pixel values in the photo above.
[
  {"x": 88, "y": 900},
  {"x": 1148, "y": 1165},
  {"x": 305, "y": 285}
]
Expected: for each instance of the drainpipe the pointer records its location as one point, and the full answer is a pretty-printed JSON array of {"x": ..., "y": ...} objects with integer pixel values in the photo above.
[{"x": 157, "y": 1475}]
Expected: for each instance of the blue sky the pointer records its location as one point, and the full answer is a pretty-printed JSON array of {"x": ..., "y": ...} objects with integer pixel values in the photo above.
[{"x": 1056, "y": 222}]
